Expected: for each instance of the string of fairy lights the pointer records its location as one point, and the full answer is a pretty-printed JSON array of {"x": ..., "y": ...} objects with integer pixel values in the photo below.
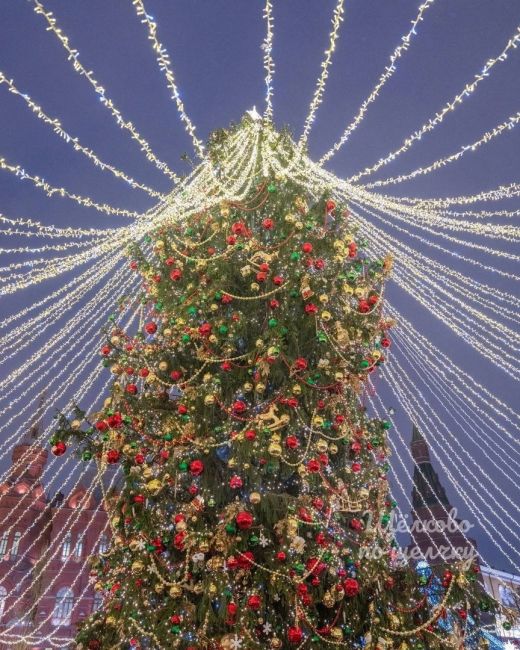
[{"x": 423, "y": 379}]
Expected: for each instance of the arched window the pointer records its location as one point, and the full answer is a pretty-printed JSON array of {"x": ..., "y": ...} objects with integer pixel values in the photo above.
[
  {"x": 103, "y": 544},
  {"x": 3, "y": 598},
  {"x": 98, "y": 601},
  {"x": 3, "y": 543},
  {"x": 78, "y": 549},
  {"x": 66, "y": 546},
  {"x": 16, "y": 543},
  {"x": 63, "y": 606}
]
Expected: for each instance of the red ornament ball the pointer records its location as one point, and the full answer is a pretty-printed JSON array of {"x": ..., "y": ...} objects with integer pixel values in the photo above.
[
  {"x": 244, "y": 520},
  {"x": 196, "y": 467},
  {"x": 307, "y": 247},
  {"x": 254, "y": 602},
  {"x": 150, "y": 328},
  {"x": 59, "y": 448},
  {"x": 351, "y": 587},
  {"x": 295, "y": 635}
]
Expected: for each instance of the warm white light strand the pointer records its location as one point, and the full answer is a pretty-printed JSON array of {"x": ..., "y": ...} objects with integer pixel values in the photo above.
[
  {"x": 267, "y": 47},
  {"x": 337, "y": 19},
  {"x": 74, "y": 141},
  {"x": 508, "y": 125},
  {"x": 164, "y": 62},
  {"x": 73, "y": 56},
  {"x": 468, "y": 90},
  {"x": 385, "y": 76}
]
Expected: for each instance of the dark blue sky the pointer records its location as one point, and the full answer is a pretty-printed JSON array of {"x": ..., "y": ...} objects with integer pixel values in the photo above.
[{"x": 216, "y": 55}]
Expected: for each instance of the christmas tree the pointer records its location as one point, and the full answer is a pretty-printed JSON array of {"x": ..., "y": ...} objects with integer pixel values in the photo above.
[{"x": 255, "y": 509}]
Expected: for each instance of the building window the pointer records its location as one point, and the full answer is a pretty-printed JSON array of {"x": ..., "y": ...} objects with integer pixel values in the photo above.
[
  {"x": 16, "y": 543},
  {"x": 78, "y": 549},
  {"x": 3, "y": 543},
  {"x": 66, "y": 547},
  {"x": 103, "y": 544},
  {"x": 507, "y": 596},
  {"x": 63, "y": 606},
  {"x": 3, "y": 598},
  {"x": 98, "y": 601}
]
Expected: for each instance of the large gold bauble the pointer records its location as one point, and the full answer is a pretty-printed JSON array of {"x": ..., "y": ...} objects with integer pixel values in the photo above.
[
  {"x": 75, "y": 424},
  {"x": 333, "y": 448},
  {"x": 115, "y": 340},
  {"x": 163, "y": 366},
  {"x": 276, "y": 642},
  {"x": 328, "y": 599},
  {"x": 255, "y": 286},
  {"x": 275, "y": 449},
  {"x": 322, "y": 446},
  {"x": 209, "y": 400},
  {"x": 248, "y": 386},
  {"x": 336, "y": 633},
  {"x": 324, "y": 299},
  {"x": 296, "y": 389},
  {"x": 175, "y": 591},
  {"x": 255, "y": 497},
  {"x": 326, "y": 316},
  {"x": 154, "y": 486},
  {"x": 147, "y": 471},
  {"x": 137, "y": 566},
  {"x": 260, "y": 388}
]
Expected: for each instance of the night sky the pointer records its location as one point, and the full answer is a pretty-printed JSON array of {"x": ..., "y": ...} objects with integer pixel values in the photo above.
[{"x": 217, "y": 59}]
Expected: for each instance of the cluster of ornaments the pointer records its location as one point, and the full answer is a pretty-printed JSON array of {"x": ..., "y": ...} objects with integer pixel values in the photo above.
[{"x": 254, "y": 511}]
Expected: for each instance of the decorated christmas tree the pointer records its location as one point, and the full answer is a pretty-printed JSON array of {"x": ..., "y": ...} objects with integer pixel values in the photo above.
[{"x": 255, "y": 508}]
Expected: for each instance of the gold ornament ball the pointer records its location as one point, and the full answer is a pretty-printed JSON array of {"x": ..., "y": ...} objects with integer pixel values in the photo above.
[
  {"x": 159, "y": 588},
  {"x": 255, "y": 286},
  {"x": 213, "y": 338},
  {"x": 260, "y": 388},
  {"x": 214, "y": 306},
  {"x": 298, "y": 225},
  {"x": 181, "y": 526},
  {"x": 248, "y": 386},
  {"x": 326, "y": 316},
  {"x": 333, "y": 449},
  {"x": 159, "y": 243},
  {"x": 209, "y": 399},
  {"x": 255, "y": 497},
  {"x": 110, "y": 620},
  {"x": 167, "y": 332},
  {"x": 322, "y": 446},
  {"x": 328, "y": 599},
  {"x": 115, "y": 340},
  {"x": 336, "y": 633},
  {"x": 212, "y": 589},
  {"x": 324, "y": 299},
  {"x": 137, "y": 566},
  {"x": 276, "y": 642},
  {"x": 348, "y": 290},
  {"x": 296, "y": 389},
  {"x": 163, "y": 365},
  {"x": 175, "y": 591},
  {"x": 75, "y": 425},
  {"x": 338, "y": 376},
  {"x": 359, "y": 292},
  {"x": 259, "y": 343},
  {"x": 275, "y": 449},
  {"x": 204, "y": 547}
]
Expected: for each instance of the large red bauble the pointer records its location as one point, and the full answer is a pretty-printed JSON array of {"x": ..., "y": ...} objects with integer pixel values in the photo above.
[
  {"x": 254, "y": 602},
  {"x": 59, "y": 448},
  {"x": 307, "y": 247},
  {"x": 295, "y": 634},
  {"x": 112, "y": 456},
  {"x": 150, "y": 328},
  {"x": 351, "y": 587},
  {"x": 244, "y": 520},
  {"x": 131, "y": 389},
  {"x": 196, "y": 467}
]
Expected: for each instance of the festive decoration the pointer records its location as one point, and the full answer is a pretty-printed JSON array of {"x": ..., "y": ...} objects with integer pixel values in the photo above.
[{"x": 255, "y": 485}]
